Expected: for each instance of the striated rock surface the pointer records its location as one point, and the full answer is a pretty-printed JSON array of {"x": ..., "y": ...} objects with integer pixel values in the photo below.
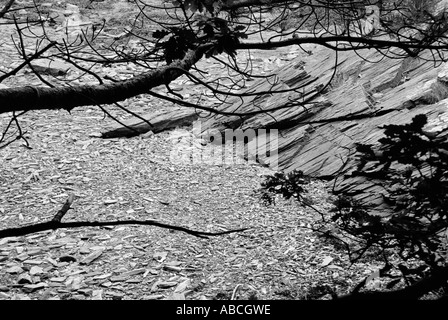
[
  {"x": 152, "y": 122},
  {"x": 366, "y": 92}
]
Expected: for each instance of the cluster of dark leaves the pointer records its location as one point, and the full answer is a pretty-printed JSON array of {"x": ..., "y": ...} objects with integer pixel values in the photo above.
[
  {"x": 287, "y": 185},
  {"x": 220, "y": 34},
  {"x": 412, "y": 166},
  {"x": 180, "y": 40},
  {"x": 224, "y": 36}
]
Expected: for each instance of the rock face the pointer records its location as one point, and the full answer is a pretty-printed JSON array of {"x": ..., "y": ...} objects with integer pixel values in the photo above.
[
  {"x": 366, "y": 92},
  {"x": 343, "y": 99},
  {"x": 51, "y": 67},
  {"x": 154, "y": 122}
]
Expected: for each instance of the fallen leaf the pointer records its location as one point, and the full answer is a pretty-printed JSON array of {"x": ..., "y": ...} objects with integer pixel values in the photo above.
[
  {"x": 4, "y": 296},
  {"x": 160, "y": 256},
  {"x": 166, "y": 284},
  {"x": 84, "y": 250},
  {"x": 58, "y": 279},
  {"x": 14, "y": 269},
  {"x": 95, "y": 135},
  {"x": 52, "y": 261},
  {"x": 76, "y": 283},
  {"x": 182, "y": 286},
  {"x": 35, "y": 252},
  {"x": 103, "y": 276},
  {"x": 97, "y": 294},
  {"x": 28, "y": 288},
  {"x": 24, "y": 278},
  {"x": 22, "y": 257},
  {"x": 36, "y": 270},
  {"x": 332, "y": 266},
  {"x": 173, "y": 263},
  {"x": 118, "y": 278},
  {"x": 327, "y": 260},
  {"x": 110, "y": 201},
  {"x": 172, "y": 268},
  {"x": 154, "y": 286},
  {"x": 91, "y": 257},
  {"x": 21, "y": 297},
  {"x": 133, "y": 272}
]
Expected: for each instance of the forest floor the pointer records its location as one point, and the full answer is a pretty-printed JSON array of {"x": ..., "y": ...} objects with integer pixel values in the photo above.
[{"x": 278, "y": 257}]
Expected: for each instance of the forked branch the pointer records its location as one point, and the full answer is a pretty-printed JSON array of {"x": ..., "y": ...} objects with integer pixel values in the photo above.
[{"x": 56, "y": 223}]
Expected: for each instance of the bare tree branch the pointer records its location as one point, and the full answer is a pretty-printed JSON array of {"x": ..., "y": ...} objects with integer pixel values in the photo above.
[
  {"x": 345, "y": 43},
  {"x": 56, "y": 223},
  {"x": 37, "y": 98}
]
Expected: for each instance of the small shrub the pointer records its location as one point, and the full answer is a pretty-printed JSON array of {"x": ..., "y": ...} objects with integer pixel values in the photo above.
[{"x": 288, "y": 185}]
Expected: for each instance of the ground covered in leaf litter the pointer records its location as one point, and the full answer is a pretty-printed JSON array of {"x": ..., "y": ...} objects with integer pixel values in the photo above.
[
  {"x": 118, "y": 179},
  {"x": 134, "y": 179}
]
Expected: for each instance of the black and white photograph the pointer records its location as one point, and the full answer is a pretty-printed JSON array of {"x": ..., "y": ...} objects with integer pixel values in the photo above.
[{"x": 219, "y": 159}]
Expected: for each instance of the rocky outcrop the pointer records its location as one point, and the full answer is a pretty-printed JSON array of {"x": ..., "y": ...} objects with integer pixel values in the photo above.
[
  {"x": 157, "y": 122},
  {"x": 53, "y": 67},
  {"x": 366, "y": 92},
  {"x": 345, "y": 106}
]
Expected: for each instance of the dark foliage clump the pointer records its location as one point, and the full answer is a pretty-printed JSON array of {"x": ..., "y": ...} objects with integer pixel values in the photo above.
[
  {"x": 289, "y": 185},
  {"x": 411, "y": 164}
]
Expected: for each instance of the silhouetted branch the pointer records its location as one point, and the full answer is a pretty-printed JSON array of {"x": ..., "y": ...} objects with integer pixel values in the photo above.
[
  {"x": 57, "y": 218},
  {"x": 56, "y": 223},
  {"x": 36, "y": 98},
  {"x": 346, "y": 43}
]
